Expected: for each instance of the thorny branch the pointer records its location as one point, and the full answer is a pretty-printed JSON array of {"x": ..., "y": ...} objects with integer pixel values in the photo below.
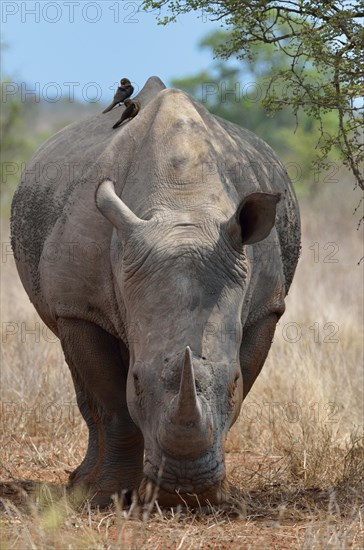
[{"x": 323, "y": 38}]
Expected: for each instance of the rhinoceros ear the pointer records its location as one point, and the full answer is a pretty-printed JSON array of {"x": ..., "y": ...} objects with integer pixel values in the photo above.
[
  {"x": 115, "y": 210},
  {"x": 254, "y": 217}
]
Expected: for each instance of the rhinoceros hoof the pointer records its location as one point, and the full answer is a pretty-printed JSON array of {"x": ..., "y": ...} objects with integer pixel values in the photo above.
[
  {"x": 104, "y": 499},
  {"x": 79, "y": 493},
  {"x": 100, "y": 490},
  {"x": 216, "y": 495},
  {"x": 82, "y": 474}
]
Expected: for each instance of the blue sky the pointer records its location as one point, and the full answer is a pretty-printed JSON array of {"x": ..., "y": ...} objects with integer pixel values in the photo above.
[{"x": 91, "y": 45}]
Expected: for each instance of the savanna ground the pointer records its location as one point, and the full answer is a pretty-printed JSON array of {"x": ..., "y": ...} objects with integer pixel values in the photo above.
[{"x": 296, "y": 454}]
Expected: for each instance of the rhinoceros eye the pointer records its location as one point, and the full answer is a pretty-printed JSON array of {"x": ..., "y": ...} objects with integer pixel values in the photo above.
[
  {"x": 232, "y": 389},
  {"x": 136, "y": 384}
]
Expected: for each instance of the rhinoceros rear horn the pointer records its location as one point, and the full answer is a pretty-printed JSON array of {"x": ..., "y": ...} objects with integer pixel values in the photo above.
[
  {"x": 254, "y": 217},
  {"x": 115, "y": 210}
]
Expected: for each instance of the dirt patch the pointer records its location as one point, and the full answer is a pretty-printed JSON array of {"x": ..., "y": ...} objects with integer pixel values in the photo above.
[{"x": 274, "y": 516}]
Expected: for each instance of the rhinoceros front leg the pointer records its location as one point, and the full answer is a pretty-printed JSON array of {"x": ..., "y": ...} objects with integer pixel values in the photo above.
[
  {"x": 114, "y": 458},
  {"x": 254, "y": 349},
  {"x": 92, "y": 453}
]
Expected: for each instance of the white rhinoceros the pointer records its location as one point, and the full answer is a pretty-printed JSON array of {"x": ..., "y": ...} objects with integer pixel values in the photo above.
[{"x": 160, "y": 255}]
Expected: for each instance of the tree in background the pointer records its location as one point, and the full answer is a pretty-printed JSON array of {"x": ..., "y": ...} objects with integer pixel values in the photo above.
[
  {"x": 25, "y": 123},
  {"x": 322, "y": 43},
  {"x": 234, "y": 92},
  {"x": 20, "y": 137},
  {"x": 13, "y": 143}
]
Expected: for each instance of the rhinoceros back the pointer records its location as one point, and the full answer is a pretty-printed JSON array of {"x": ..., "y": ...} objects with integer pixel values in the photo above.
[{"x": 55, "y": 201}]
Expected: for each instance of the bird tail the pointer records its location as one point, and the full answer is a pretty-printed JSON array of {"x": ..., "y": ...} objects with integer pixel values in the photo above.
[{"x": 108, "y": 108}]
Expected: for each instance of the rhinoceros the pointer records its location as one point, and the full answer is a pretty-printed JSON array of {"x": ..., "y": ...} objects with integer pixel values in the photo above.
[{"x": 160, "y": 254}]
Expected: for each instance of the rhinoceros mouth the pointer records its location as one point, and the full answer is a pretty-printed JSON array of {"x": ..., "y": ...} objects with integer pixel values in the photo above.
[
  {"x": 217, "y": 494},
  {"x": 191, "y": 481}
]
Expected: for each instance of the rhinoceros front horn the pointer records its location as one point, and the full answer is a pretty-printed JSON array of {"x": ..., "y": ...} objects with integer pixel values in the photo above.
[
  {"x": 186, "y": 429},
  {"x": 115, "y": 210}
]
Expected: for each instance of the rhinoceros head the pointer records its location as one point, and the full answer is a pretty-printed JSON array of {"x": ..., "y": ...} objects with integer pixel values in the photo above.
[{"x": 181, "y": 279}]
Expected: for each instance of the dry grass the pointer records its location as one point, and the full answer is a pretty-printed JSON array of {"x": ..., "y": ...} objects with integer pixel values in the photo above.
[{"x": 296, "y": 453}]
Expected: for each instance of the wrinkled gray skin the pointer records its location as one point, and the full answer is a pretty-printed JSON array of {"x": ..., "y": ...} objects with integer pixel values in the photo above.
[{"x": 165, "y": 301}]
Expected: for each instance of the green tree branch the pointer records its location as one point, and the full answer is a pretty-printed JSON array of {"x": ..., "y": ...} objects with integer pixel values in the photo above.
[{"x": 324, "y": 42}]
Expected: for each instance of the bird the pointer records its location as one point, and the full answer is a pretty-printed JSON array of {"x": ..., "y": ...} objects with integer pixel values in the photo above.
[
  {"x": 125, "y": 89},
  {"x": 132, "y": 108}
]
